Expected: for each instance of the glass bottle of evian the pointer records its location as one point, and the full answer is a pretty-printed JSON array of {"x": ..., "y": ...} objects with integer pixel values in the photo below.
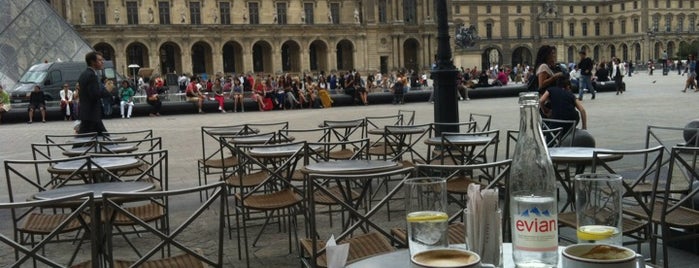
[{"x": 533, "y": 206}]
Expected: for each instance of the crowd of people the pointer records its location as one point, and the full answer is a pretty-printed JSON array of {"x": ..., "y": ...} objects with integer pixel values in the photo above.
[{"x": 286, "y": 91}]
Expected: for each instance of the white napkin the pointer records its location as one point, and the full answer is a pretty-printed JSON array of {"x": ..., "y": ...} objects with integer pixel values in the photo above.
[
  {"x": 483, "y": 227},
  {"x": 336, "y": 254}
]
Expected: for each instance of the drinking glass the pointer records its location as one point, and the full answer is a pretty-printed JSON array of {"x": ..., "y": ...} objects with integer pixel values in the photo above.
[
  {"x": 426, "y": 214},
  {"x": 598, "y": 208}
]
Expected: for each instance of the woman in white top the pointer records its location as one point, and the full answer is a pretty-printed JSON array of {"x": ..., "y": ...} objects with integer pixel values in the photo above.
[
  {"x": 545, "y": 60},
  {"x": 66, "y": 101}
]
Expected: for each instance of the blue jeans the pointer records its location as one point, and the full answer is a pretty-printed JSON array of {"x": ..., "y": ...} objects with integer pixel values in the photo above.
[{"x": 584, "y": 83}]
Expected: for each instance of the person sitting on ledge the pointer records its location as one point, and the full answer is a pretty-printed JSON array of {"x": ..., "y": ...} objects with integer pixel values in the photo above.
[
  {"x": 194, "y": 94},
  {"x": 37, "y": 100},
  {"x": 4, "y": 102}
]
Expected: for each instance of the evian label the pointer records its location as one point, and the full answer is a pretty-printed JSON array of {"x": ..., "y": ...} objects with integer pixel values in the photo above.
[{"x": 535, "y": 228}]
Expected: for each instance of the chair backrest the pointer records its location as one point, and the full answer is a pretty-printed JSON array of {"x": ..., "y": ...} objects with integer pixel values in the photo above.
[
  {"x": 379, "y": 122},
  {"x": 47, "y": 151},
  {"x": 321, "y": 134},
  {"x": 492, "y": 175},
  {"x": 482, "y": 121},
  {"x": 131, "y": 135},
  {"x": 277, "y": 167},
  {"x": 324, "y": 151},
  {"x": 210, "y": 137},
  {"x": 458, "y": 127},
  {"x": 343, "y": 130},
  {"x": 471, "y": 153},
  {"x": 683, "y": 159},
  {"x": 568, "y": 132},
  {"x": 640, "y": 170},
  {"x": 408, "y": 117},
  {"x": 44, "y": 252},
  {"x": 403, "y": 139},
  {"x": 319, "y": 183},
  {"x": 26, "y": 177},
  {"x": 144, "y": 166},
  {"x": 139, "y": 145},
  {"x": 65, "y": 138},
  {"x": 185, "y": 216},
  {"x": 553, "y": 138},
  {"x": 267, "y": 127}
]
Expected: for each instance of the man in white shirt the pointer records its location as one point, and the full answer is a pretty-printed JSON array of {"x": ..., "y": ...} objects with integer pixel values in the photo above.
[{"x": 574, "y": 75}]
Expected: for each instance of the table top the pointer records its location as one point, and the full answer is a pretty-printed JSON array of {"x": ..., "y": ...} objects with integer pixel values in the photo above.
[
  {"x": 111, "y": 163},
  {"x": 351, "y": 167},
  {"x": 341, "y": 124},
  {"x": 577, "y": 154},
  {"x": 401, "y": 258},
  {"x": 464, "y": 140},
  {"x": 398, "y": 130},
  {"x": 96, "y": 188},
  {"x": 232, "y": 130},
  {"x": 254, "y": 139},
  {"x": 84, "y": 139},
  {"x": 281, "y": 150},
  {"x": 106, "y": 148}
]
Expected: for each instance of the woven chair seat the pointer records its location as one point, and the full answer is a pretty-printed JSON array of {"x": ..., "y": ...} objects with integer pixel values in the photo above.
[
  {"x": 381, "y": 150},
  {"x": 459, "y": 185},
  {"x": 628, "y": 225},
  {"x": 647, "y": 188},
  {"x": 249, "y": 180},
  {"x": 276, "y": 200},
  {"x": 324, "y": 199},
  {"x": 117, "y": 264},
  {"x": 40, "y": 223},
  {"x": 680, "y": 217},
  {"x": 298, "y": 176},
  {"x": 456, "y": 233},
  {"x": 135, "y": 171},
  {"x": 146, "y": 213},
  {"x": 216, "y": 162},
  {"x": 361, "y": 246},
  {"x": 341, "y": 154}
]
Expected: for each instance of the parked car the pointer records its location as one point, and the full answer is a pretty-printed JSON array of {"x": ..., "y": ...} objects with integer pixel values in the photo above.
[{"x": 51, "y": 77}]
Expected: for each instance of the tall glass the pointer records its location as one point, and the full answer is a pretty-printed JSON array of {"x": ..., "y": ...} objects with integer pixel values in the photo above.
[
  {"x": 426, "y": 214},
  {"x": 598, "y": 208}
]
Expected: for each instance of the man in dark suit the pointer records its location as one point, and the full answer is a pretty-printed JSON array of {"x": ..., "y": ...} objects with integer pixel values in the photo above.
[{"x": 91, "y": 95}]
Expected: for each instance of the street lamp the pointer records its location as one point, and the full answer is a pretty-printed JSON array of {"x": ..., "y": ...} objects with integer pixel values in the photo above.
[
  {"x": 446, "y": 109},
  {"x": 134, "y": 69}
]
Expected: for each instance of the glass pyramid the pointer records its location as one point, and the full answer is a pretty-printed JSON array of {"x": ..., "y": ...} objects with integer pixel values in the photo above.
[{"x": 32, "y": 32}]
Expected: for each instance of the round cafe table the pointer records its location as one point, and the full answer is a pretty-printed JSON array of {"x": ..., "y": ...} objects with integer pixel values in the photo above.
[
  {"x": 282, "y": 150},
  {"x": 350, "y": 167},
  {"x": 233, "y": 130},
  {"x": 109, "y": 163},
  {"x": 96, "y": 188},
  {"x": 401, "y": 258},
  {"x": 100, "y": 138},
  {"x": 108, "y": 148}
]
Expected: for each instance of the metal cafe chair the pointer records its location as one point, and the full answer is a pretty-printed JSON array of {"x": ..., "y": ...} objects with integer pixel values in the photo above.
[
  {"x": 469, "y": 148},
  {"x": 375, "y": 238},
  {"x": 553, "y": 138},
  {"x": 178, "y": 252},
  {"x": 637, "y": 168},
  {"x": 676, "y": 213},
  {"x": 482, "y": 121},
  {"x": 41, "y": 231},
  {"x": 271, "y": 196},
  {"x": 491, "y": 175},
  {"x": 211, "y": 163},
  {"x": 343, "y": 130}
]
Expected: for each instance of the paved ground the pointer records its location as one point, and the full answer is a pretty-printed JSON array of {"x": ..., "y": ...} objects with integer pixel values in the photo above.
[{"x": 617, "y": 122}]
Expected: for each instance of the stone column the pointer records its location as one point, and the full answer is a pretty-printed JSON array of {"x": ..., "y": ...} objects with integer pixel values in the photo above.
[{"x": 247, "y": 56}]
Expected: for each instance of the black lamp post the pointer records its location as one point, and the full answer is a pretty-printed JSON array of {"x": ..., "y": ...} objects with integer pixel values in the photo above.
[{"x": 446, "y": 109}]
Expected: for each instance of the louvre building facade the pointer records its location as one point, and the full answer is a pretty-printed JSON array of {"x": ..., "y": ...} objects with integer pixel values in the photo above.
[{"x": 272, "y": 36}]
